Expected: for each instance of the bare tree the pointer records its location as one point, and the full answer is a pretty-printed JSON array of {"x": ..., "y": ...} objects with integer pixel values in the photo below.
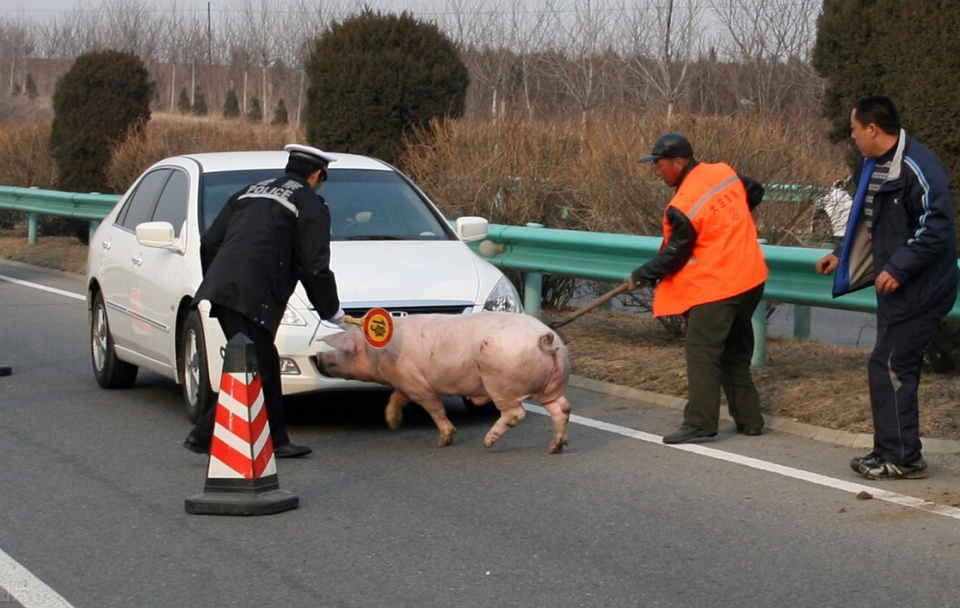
[
  {"x": 660, "y": 39},
  {"x": 582, "y": 34},
  {"x": 771, "y": 42}
]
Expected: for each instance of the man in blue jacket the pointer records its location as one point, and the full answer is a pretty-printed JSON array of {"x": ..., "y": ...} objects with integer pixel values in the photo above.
[{"x": 901, "y": 239}]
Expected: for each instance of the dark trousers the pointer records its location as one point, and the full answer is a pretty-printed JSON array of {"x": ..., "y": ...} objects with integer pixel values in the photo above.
[
  {"x": 268, "y": 365},
  {"x": 719, "y": 348},
  {"x": 893, "y": 374}
]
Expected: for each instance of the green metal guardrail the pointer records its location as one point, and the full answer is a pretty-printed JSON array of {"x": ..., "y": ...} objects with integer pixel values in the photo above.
[
  {"x": 538, "y": 251},
  {"x": 610, "y": 257},
  {"x": 34, "y": 201}
]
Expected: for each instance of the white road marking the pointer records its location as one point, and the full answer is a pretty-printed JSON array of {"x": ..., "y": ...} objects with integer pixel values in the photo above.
[
  {"x": 18, "y": 583},
  {"x": 762, "y": 465},
  {"x": 59, "y": 292}
]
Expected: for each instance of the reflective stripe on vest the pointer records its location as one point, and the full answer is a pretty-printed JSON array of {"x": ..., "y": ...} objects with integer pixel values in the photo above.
[{"x": 727, "y": 259}]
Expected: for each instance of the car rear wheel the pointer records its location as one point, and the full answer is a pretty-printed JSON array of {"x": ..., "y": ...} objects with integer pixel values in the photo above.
[
  {"x": 110, "y": 371},
  {"x": 198, "y": 397}
]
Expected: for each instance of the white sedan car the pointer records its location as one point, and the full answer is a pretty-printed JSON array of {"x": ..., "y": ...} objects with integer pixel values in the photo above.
[{"x": 391, "y": 248}]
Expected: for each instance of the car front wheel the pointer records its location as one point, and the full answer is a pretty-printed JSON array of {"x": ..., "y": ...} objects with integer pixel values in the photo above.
[
  {"x": 110, "y": 371},
  {"x": 198, "y": 397}
]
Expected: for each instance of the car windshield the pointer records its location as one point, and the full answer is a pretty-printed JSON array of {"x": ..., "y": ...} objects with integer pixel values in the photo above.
[{"x": 364, "y": 204}]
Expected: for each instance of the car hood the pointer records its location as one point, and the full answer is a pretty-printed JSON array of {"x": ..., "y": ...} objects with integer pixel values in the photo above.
[{"x": 381, "y": 273}]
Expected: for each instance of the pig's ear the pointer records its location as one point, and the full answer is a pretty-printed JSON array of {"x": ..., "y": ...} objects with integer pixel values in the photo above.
[
  {"x": 335, "y": 340},
  {"x": 355, "y": 338}
]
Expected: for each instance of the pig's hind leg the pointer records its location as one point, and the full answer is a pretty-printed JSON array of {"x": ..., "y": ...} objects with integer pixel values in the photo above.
[
  {"x": 559, "y": 410},
  {"x": 511, "y": 412}
]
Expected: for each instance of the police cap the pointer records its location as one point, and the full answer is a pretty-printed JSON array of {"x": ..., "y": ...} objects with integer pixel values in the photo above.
[{"x": 308, "y": 154}]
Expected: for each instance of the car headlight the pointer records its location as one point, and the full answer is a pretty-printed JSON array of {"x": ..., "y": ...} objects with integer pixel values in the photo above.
[
  {"x": 503, "y": 298},
  {"x": 292, "y": 317}
]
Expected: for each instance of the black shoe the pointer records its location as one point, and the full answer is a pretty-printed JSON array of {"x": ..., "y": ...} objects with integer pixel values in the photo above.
[
  {"x": 686, "y": 432},
  {"x": 751, "y": 431},
  {"x": 194, "y": 444},
  {"x": 872, "y": 460},
  {"x": 883, "y": 470},
  {"x": 289, "y": 450}
]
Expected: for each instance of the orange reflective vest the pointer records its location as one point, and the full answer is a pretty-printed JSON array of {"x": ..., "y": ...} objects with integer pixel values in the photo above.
[{"x": 726, "y": 259}]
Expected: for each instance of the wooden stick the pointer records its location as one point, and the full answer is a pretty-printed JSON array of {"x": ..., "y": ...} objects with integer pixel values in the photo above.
[{"x": 622, "y": 288}]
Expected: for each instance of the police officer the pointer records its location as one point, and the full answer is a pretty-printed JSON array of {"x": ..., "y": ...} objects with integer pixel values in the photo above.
[
  {"x": 710, "y": 267},
  {"x": 267, "y": 237}
]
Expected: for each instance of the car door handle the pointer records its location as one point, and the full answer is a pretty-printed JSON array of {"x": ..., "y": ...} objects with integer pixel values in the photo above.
[
  {"x": 105, "y": 245},
  {"x": 137, "y": 260}
]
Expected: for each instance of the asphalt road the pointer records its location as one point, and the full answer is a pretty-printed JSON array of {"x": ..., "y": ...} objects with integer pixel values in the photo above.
[{"x": 94, "y": 481}]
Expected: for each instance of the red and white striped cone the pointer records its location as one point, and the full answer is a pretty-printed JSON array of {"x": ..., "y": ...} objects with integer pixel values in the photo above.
[{"x": 242, "y": 471}]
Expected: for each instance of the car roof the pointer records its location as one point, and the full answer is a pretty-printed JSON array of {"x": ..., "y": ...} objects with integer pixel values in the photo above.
[{"x": 215, "y": 162}]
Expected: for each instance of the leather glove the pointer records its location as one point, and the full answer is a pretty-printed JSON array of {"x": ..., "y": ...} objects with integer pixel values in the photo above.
[
  {"x": 338, "y": 317},
  {"x": 631, "y": 284}
]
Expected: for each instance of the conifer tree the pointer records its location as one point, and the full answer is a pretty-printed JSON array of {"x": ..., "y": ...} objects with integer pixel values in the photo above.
[{"x": 374, "y": 78}]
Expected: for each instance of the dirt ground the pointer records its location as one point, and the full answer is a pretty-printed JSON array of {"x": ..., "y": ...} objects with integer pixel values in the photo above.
[{"x": 810, "y": 382}]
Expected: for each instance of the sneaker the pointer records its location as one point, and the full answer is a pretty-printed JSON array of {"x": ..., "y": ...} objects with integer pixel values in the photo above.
[
  {"x": 872, "y": 459},
  {"x": 882, "y": 469}
]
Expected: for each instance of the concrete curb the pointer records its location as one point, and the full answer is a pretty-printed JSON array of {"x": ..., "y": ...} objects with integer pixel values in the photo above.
[{"x": 861, "y": 441}]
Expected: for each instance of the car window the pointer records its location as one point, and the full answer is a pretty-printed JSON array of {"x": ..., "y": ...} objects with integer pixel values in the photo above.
[
  {"x": 364, "y": 204},
  {"x": 368, "y": 204},
  {"x": 139, "y": 207},
  {"x": 219, "y": 187},
  {"x": 172, "y": 206}
]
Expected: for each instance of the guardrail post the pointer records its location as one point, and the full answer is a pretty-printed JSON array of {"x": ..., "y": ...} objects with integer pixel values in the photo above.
[
  {"x": 93, "y": 228},
  {"x": 801, "y": 322},
  {"x": 760, "y": 335},
  {"x": 32, "y": 222},
  {"x": 532, "y": 293},
  {"x": 532, "y": 286}
]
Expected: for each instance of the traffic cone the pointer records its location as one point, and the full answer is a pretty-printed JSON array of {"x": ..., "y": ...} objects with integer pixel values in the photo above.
[{"x": 242, "y": 471}]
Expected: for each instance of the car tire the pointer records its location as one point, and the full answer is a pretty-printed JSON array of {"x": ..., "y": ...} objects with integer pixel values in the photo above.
[
  {"x": 109, "y": 371},
  {"x": 198, "y": 397}
]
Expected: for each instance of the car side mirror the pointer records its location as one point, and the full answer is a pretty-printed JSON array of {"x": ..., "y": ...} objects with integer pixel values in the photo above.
[
  {"x": 157, "y": 234},
  {"x": 472, "y": 228}
]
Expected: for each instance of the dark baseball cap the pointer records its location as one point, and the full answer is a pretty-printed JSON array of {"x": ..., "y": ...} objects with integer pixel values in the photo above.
[{"x": 669, "y": 145}]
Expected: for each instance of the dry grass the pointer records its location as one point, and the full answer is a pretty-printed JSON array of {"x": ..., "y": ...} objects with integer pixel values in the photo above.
[
  {"x": 566, "y": 174},
  {"x": 811, "y": 382}
]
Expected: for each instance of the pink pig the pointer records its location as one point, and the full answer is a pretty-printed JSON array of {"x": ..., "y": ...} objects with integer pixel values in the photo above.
[{"x": 486, "y": 356}]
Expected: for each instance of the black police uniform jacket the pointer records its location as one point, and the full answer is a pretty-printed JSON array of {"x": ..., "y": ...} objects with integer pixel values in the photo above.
[{"x": 267, "y": 237}]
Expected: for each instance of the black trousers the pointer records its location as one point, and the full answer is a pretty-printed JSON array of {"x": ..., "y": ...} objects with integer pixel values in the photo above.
[
  {"x": 268, "y": 364},
  {"x": 893, "y": 373},
  {"x": 719, "y": 347}
]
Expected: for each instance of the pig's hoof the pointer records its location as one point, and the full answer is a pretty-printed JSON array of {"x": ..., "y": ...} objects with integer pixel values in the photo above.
[{"x": 445, "y": 441}]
